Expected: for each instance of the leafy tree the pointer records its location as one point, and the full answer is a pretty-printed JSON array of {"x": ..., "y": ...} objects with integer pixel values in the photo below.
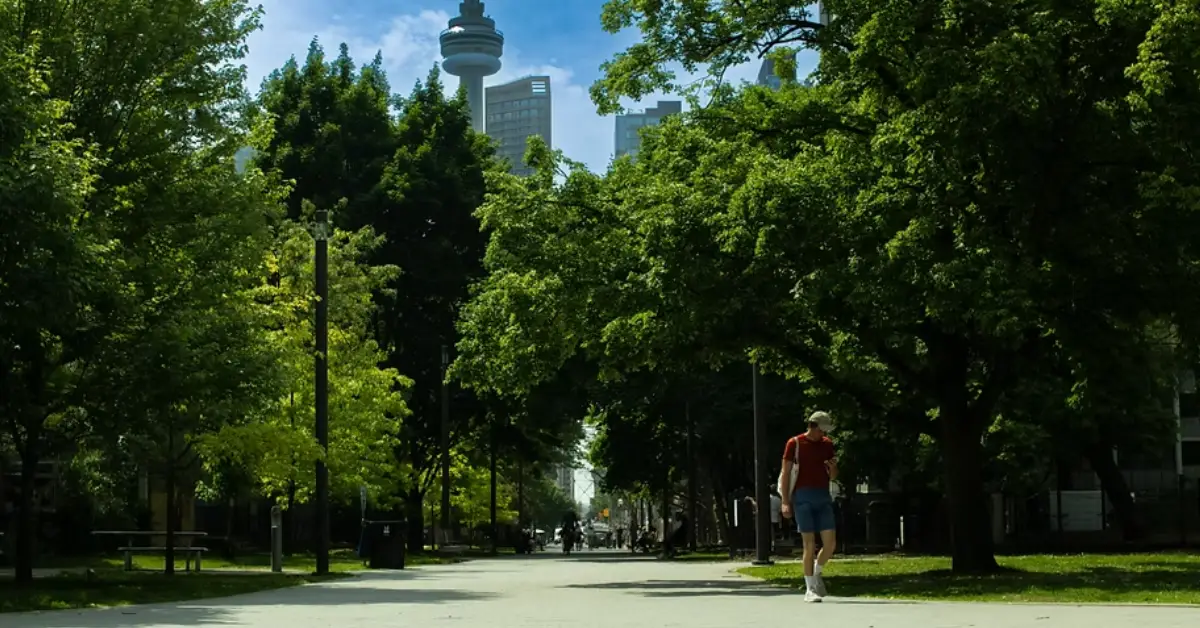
[
  {"x": 106, "y": 62},
  {"x": 278, "y": 445},
  {"x": 436, "y": 181},
  {"x": 334, "y": 133},
  {"x": 193, "y": 357},
  {"x": 906, "y": 235},
  {"x": 55, "y": 268},
  {"x": 416, "y": 181}
]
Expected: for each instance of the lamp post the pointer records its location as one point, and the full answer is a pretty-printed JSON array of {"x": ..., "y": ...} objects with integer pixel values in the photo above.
[
  {"x": 445, "y": 523},
  {"x": 321, "y": 236},
  {"x": 693, "y": 472},
  {"x": 762, "y": 492},
  {"x": 495, "y": 527}
]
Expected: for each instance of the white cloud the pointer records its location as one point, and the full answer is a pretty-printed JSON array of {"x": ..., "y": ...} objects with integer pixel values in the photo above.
[{"x": 409, "y": 43}]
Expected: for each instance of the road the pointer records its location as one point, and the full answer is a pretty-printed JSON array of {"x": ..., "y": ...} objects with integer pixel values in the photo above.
[{"x": 584, "y": 591}]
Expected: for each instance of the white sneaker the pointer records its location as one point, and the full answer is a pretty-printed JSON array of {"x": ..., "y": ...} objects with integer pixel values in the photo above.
[
  {"x": 821, "y": 587},
  {"x": 813, "y": 596}
]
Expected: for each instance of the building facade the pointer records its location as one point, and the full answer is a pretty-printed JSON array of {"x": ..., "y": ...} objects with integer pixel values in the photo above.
[
  {"x": 517, "y": 111},
  {"x": 564, "y": 478},
  {"x": 767, "y": 76},
  {"x": 626, "y": 139}
]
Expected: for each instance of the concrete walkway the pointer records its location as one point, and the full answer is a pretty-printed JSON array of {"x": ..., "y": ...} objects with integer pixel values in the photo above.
[{"x": 584, "y": 591}]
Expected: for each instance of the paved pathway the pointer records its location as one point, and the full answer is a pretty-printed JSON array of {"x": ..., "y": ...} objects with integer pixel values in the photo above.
[{"x": 586, "y": 591}]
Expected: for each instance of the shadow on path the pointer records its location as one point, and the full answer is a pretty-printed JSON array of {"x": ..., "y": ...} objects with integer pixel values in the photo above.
[{"x": 691, "y": 588}]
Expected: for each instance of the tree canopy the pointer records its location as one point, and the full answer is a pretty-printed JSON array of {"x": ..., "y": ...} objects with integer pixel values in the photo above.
[{"x": 965, "y": 193}]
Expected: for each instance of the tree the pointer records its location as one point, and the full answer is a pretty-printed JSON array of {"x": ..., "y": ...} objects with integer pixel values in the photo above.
[
  {"x": 416, "y": 181},
  {"x": 906, "y": 234},
  {"x": 107, "y": 64},
  {"x": 278, "y": 445},
  {"x": 918, "y": 240},
  {"x": 334, "y": 133},
  {"x": 193, "y": 356},
  {"x": 436, "y": 181},
  {"x": 55, "y": 268}
]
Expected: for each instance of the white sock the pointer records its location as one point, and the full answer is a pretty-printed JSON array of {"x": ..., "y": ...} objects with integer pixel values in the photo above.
[
  {"x": 817, "y": 569},
  {"x": 811, "y": 582}
]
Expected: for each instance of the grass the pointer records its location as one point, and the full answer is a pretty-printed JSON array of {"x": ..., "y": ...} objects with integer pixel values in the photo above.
[
  {"x": 1167, "y": 578},
  {"x": 118, "y": 588},
  {"x": 702, "y": 556},
  {"x": 110, "y": 585},
  {"x": 340, "y": 561}
]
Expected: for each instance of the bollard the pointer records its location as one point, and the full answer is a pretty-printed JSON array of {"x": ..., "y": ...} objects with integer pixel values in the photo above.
[{"x": 276, "y": 539}]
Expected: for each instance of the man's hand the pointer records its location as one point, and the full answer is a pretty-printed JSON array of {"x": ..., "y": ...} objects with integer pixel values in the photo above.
[
  {"x": 831, "y": 468},
  {"x": 785, "y": 509}
]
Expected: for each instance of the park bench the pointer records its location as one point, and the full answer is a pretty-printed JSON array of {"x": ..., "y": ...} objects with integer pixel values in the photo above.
[{"x": 190, "y": 553}]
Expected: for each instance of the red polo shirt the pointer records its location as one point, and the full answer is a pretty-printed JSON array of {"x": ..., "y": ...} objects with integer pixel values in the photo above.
[{"x": 813, "y": 455}]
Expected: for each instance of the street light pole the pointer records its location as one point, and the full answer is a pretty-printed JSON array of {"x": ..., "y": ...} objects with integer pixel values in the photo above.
[
  {"x": 322, "y": 388},
  {"x": 445, "y": 523},
  {"x": 762, "y": 492},
  {"x": 693, "y": 472},
  {"x": 492, "y": 469}
]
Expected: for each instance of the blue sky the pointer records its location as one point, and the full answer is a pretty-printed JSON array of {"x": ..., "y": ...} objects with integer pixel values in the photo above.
[{"x": 559, "y": 38}]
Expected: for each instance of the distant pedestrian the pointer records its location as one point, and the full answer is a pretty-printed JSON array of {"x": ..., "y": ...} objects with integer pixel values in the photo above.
[
  {"x": 776, "y": 508},
  {"x": 809, "y": 466}
]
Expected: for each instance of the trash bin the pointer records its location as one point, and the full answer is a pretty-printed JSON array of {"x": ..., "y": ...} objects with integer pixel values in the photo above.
[{"x": 383, "y": 544}]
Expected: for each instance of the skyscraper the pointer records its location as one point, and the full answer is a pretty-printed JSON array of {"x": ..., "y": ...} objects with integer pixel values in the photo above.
[
  {"x": 517, "y": 111},
  {"x": 564, "y": 478},
  {"x": 626, "y": 140},
  {"x": 471, "y": 50},
  {"x": 767, "y": 76}
]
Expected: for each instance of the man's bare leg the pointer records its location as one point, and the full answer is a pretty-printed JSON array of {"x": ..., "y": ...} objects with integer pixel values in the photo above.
[
  {"x": 828, "y": 546},
  {"x": 810, "y": 552}
]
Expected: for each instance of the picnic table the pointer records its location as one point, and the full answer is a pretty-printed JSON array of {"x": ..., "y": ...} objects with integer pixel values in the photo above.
[{"x": 131, "y": 547}]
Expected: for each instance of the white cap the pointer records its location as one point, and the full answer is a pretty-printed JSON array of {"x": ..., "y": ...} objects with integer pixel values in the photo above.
[{"x": 822, "y": 419}]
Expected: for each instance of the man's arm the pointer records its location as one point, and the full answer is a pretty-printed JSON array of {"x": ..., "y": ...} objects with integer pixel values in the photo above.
[{"x": 832, "y": 466}]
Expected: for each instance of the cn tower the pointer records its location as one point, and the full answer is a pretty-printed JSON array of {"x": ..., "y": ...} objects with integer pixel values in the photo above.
[{"x": 471, "y": 49}]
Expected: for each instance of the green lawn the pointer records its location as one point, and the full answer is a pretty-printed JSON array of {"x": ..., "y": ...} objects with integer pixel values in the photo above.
[
  {"x": 110, "y": 585},
  {"x": 117, "y": 588},
  {"x": 1168, "y": 578},
  {"x": 339, "y": 561},
  {"x": 702, "y": 556}
]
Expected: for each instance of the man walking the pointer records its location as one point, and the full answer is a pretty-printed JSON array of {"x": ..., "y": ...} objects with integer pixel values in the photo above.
[{"x": 809, "y": 466}]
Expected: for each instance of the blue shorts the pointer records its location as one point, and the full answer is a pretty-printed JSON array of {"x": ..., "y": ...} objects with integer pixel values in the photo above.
[{"x": 813, "y": 509}]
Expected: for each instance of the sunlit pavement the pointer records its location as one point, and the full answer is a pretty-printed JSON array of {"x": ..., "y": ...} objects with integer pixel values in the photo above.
[{"x": 586, "y": 590}]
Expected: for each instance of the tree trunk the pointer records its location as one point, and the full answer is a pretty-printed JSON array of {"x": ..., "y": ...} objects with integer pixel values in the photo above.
[
  {"x": 1112, "y": 481},
  {"x": 26, "y": 541},
  {"x": 692, "y": 472},
  {"x": 970, "y": 525},
  {"x": 171, "y": 498},
  {"x": 665, "y": 518},
  {"x": 521, "y": 495},
  {"x": 288, "y": 520},
  {"x": 413, "y": 503},
  {"x": 722, "y": 514}
]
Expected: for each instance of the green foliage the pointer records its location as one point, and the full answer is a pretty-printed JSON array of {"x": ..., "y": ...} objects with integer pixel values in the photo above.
[
  {"x": 415, "y": 181},
  {"x": 969, "y": 197},
  {"x": 277, "y": 444},
  {"x": 125, "y": 121},
  {"x": 55, "y": 261}
]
